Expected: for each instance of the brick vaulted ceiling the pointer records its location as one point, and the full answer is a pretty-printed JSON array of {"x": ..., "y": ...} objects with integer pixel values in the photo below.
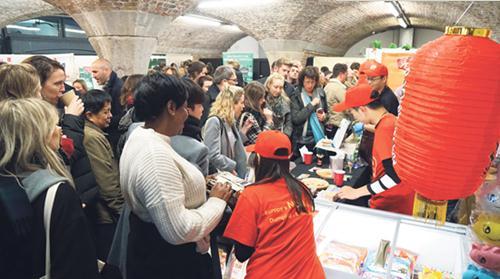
[{"x": 336, "y": 24}]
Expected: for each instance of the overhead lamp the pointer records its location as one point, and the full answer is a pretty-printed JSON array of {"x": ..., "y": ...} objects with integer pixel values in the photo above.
[
  {"x": 397, "y": 11},
  {"x": 71, "y": 30},
  {"x": 392, "y": 9},
  {"x": 402, "y": 22},
  {"x": 201, "y": 20},
  {"x": 218, "y": 4},
  {"x": 19, "y": 27},
  {"x": 233, "y": 28}
]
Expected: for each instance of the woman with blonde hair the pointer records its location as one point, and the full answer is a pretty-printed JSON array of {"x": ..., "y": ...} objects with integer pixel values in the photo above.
[
  {"x": 221, "y": 135},
  {"x": 36, "y": 189},
  {"x": 171, "y": 71},
  {"x": 279, "y": 103},
  {"x": 19, "y": 81}
]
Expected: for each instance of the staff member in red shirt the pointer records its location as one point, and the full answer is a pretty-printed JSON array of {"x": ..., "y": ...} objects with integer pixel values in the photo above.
[
  {"x": 272, "y": 224},
  {"x": 388, "y": 193}
]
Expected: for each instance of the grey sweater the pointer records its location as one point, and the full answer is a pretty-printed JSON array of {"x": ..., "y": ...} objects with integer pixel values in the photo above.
[
  {"x": 221, "y": 155},
  {"x": 192, "y": 150}
]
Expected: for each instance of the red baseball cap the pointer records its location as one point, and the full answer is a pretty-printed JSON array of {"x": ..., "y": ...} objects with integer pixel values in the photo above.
[
  {"x": 376, "y": 70},
  {"x": 365, "y": 66},
  {"x": 268, "y": 143},
  {"x": 357, "y": 96}
]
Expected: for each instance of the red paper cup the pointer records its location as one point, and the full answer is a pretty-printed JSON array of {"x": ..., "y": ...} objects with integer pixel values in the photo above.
[
  {"x": 308, "y": 158},
  {"x": 338, "y": 177}
]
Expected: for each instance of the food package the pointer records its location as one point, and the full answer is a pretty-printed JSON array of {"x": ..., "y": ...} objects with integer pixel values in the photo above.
[
  {"x": 234, "y": 268},
  {"x": 430, "y": 273},
  {"x": 237, "y": 184},
  {"x": 343, "y": 257},
  {"x": 403, "y": 265}
]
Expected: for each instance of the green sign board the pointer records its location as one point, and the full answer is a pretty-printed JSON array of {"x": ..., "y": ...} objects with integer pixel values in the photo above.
[
  {"x": 245, "y": 60},
  {"x": 155, "y": 61},
  {"x": 86, "y": 75}
]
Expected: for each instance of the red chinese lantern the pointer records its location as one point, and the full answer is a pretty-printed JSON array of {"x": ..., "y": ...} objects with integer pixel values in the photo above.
[{"x": 449, "y": 121}]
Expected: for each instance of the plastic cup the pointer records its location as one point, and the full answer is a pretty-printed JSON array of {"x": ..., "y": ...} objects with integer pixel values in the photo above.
[
  {"x": 67, "y": 97},
  {"x": 338, "y": 177},
  {"x": 336, "y": 163},
  {"x": 308, "y": 158}
]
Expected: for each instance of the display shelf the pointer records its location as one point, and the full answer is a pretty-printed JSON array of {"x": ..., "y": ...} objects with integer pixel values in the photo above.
[{"x": 444, "y": 247}]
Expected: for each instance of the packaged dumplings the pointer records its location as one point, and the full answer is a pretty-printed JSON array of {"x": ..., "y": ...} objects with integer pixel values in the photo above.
[{"x": 343, "y": 257}]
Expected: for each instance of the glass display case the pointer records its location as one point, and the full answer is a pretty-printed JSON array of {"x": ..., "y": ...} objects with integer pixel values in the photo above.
[{"x": 426, "y": 244}]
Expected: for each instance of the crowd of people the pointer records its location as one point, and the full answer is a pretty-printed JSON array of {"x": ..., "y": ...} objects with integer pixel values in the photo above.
[{"x": 113, "y": 182}]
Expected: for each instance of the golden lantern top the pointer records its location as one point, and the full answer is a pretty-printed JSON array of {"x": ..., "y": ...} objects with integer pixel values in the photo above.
[{"x": 468, "y": 31}]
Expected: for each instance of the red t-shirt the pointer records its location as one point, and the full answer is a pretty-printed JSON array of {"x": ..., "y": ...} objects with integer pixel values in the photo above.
[
  {"x": 399, "y": 198},
  {"x": 265, "y": 218}
]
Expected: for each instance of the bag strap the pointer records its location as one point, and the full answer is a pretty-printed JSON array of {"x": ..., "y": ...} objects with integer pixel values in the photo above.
[{"x": 47, "y": 212}]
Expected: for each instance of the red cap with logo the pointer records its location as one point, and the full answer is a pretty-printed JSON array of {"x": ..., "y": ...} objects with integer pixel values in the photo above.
[
  {"x": 357, "y": 96},
  {"x": 269, "y": 142},
  {"x": 365, "y": 66},
  {"x": 376, "y": 70}
]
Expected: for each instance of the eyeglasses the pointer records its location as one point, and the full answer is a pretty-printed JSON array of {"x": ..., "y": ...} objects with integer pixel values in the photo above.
[{"x": 370, "y": 79}]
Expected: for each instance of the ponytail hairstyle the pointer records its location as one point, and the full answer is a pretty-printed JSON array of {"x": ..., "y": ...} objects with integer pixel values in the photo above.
[
  {"x": 270, "y": 170},
  {"x": 195, "y": 69}
]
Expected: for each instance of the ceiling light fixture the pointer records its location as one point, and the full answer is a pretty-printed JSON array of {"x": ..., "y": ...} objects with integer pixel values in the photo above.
[
  {"x": 402, "y": 23},
  {"x": 201, "y": 20},
  {"x": 232, "y": 27},
  {"x": 398, "y": 12},
  {"x": 23, "y": 28},
  {"x": 74, "y": 31},
  {"x": 393, "y": 9},
  {"x": 217, "y": 4}
]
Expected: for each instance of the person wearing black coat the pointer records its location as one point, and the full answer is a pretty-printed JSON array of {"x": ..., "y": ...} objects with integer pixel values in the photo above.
[
  {"x": 52, "y": 77},
  {"x": 81, "y": 171},
  {"x": 301, "y": 113},
  {"x": 104, "y": 75},
  {"x": 28, "y": 180},
  {"x": 223, "y": 76},
  {"x": 114, "y": 87}
]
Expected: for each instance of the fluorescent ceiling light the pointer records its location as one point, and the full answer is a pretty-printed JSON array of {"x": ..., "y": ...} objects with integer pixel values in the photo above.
[
  {"x": 402, "y": 23},
  {"x": 23, "y": 27},
  {"x": 232, "y": 27},
  {"x": 393, "y": 9},
  {"x": 212, "y": 4},
  {"x": 75, "y": 31},
  {"x": 201, "y": 20}
]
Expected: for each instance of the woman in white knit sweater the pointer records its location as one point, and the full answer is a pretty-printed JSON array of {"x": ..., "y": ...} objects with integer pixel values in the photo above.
[{"x": 171, "y": 218}]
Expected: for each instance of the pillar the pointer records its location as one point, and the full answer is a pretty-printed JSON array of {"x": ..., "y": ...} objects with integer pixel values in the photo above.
[
  {"x": 294, "y": 50},
  {"x": 124, "y": 32}
]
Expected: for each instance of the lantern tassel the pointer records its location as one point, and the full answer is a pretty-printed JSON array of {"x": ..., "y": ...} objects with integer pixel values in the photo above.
[{"x": 430, "y": 209}]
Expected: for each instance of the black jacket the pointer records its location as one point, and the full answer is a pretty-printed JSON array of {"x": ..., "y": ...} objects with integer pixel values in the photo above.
[
  {"x": 114, "y": 88},
  {"x": 210, "y": 96},
  {"x": 389, "y": 100},
  {"x": 301, "y": 113},
  {"x": 72, "y": 250},
  {"x": 81, "y": 171},
  {"x": 16, "y": 233},
  {"x": 239, "y": 77},
  {"x": 22, "y": 246}
]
